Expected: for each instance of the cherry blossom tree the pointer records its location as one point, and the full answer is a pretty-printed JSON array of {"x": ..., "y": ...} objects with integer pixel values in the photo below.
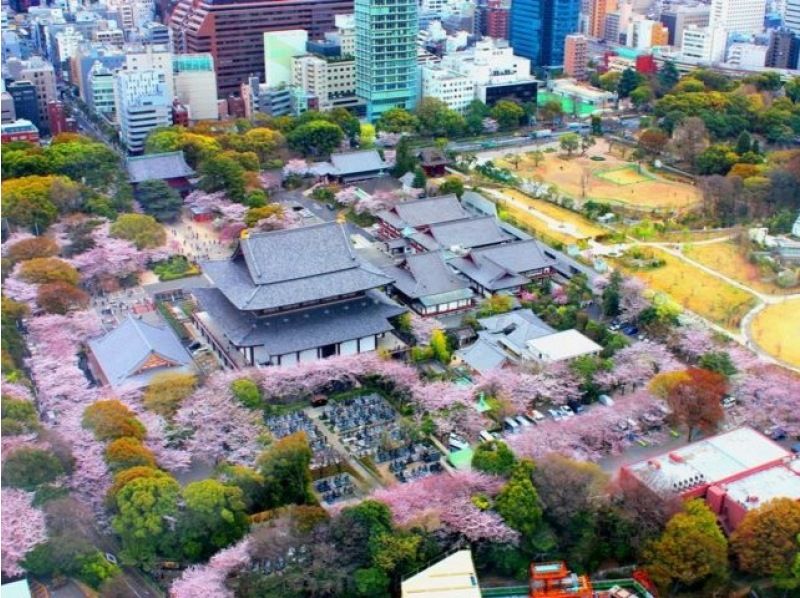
[
  {"x": 209, "y": 580},
  {"x": 635, "y": 364},
  {"x": 446, "y": 499},
  {"x": 422, "y": 328},
  {"x": 442, "y": 395},
  {"x": 270, "y": 180},
  {"x": 295, "y": 167},
  {"x": 693, "y": 341},
  {"x": 767, "y": 396},
  {"x": 19, "y": 290},
  {"x": 23, "y": 528},
  {"x": 631, "y": 298},
  {"x": 590, "y": 436}
]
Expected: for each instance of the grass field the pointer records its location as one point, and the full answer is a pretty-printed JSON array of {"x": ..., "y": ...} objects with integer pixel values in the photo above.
[
  {"x": 726, "y": 258},
  {"x": 698, "y": 291},
  {"x": 542, "y": 229},
  {"x": 776, "y": 329},
  {"x": 612, "y": 180},
  {"x": 582, "y": 226}
]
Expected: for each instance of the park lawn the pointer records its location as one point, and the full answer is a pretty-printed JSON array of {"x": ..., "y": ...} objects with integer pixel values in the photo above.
[
  {"x": 776, "y": 329},
  {"x": 728, "y": 259},
  {"x": 698, "y": 291},
  {"x": 583, "y": 225},
  {"x": 642, "y": 191},
  {"x": 537, "y": 226}
]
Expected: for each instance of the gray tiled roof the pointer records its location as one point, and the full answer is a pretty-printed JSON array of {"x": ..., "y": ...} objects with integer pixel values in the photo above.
[
  {"x": 120, "y": 352},
  {"x": 514, "y": 329},
  {"x": 170, "y": 165},
  {"x": 502, "y": 266},
  {"x": 424, "y": 212},
  {"x": 482, "y": 356},
  {"x": 425, "y": 274},
  {"x": 469, "y": 233},
  {"x": 300, "y": 330},
  {"x": 288, "y": 267},
  {"x": 356, "y": 162}
]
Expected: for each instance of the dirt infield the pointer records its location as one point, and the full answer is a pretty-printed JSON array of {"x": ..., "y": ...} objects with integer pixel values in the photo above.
[{"x": 611, "y": 180}]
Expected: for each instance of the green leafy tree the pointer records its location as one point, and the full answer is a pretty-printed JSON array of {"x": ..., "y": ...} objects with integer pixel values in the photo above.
[
  {"x": 249, "y": 481},
  {"x": 147, "y": 511},
  {"x": 214, "y": 517},
  {"x": 221, "y": 172},
  {"x": 140, "y": 229},
  {"x": 570, "y": 142},
  {"x": 371, "y": 581},
  {"x": 316, "y": 138},
  {"x": 518, "y": 502},
  {"x": 743, "y": 143},
  {"x": 507, "y": 113},
  {"x": 668, "y": 76},
  {"x": 18, "y": 417},
  {"x": 167, "y": 390},
  {"x": 159, "y": 200},
  {"x": 629, "y": 81},
  {"x": 397, "y": 120},
  {"x": 247, "y": 393},
  {"x": 452, "y": 184},
  {"x": 717, "y": 159},
  {"x": 420, "y": 180},
  {"x": 112, "y": 419},
  {"x": 43, "y": 270},
  {"x": 792, "y": 89},
  {"x": 551, "y": 111},
  {"x": 124, "y": 453},
  {"x": 405, "y": 161},
  {"x": 597, "y": 126},
  {"x": 611, "y": 294},
  {"x": 30, "y": 201},
  {"x": 494, "y": 457},
  {"x": 436, "y": 119},
  {"x": 29, "y": 468},
  {"x": 765, "y": 542},
  {"x": 285, "y": 467},
  {"x": 691, "y": 551},
  {"x": 719, "y": 362},
  {"x": 439, "y": 345}
]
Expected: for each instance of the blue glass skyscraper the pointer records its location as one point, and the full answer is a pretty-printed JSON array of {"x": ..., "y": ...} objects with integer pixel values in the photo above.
[{"x": 538, "y": 29}]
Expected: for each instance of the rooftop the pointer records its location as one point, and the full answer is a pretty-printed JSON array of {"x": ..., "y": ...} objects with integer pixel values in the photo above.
[
  {"x": 135, "y": 351},
  {"x": 709, "y": 461},
  {"x": 349, "y": 163},
  {"x": 761, "y": 487},
  {"x": 425, "y": 274},
  {"x": 170, "y": 165},
  {"x": 469, "y": 233},
  {"x": 452, "y": 577},
  {"x": 299, "y": 330},
  {"x": 563, "y": 345},
  {"x": 290, "y": 267},
  {"x": 424, "y": 212},
  {"x": 503, "y": 266}
]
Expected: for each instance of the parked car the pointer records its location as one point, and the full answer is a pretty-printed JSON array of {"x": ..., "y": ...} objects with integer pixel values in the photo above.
[
  {"x": 485, "y": 436},
  {"x": 605, "y": 400},
  {"x": 523, "y": 421},
  {"x": 457, "y": 442},
  {"x": 556, "y": 415},
  {"x": 566, "y": 411},
  {"x": 536, "y": 416},
  {"x": 511, "y": 424},
  {"x": 728, "y": 402}
]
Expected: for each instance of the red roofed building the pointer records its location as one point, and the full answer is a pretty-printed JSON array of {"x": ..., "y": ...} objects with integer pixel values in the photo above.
[{"x": 733, "y": 472}]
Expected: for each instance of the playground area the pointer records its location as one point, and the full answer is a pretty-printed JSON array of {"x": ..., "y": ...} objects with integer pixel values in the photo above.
[
  {"x": 604, "y": 177},
  {"x": 776, "y": 329}
]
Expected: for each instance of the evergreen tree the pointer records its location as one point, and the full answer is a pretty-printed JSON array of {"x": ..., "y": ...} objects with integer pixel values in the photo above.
[
  {"x": 420, "y": 180},
  {"x": 404, "y": 158},
  {"x": 743, "y": 143},
  {"x": 629, "y": 81},
  {"x": 668, "y": 76}
]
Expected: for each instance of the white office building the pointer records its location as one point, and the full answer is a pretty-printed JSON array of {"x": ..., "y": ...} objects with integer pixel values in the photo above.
[
  {"x": 327, "y": 79},
  {"x": 747, "y": 56},
  {"x": 101, "y": 94},
  {"x": 196, "y": 85},
  {"x": 151, "y": 58},
  {"x": 454, "y": 89},
  {"x": 791, "y": 16},
  {"x": 738, "y": 16},
  {"x": 143, "y": 104},
  {"x": 703, "y": 44}
]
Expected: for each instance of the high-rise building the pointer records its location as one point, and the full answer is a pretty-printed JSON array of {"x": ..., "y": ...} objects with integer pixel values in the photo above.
[
  {"x": 42, "y": 74},
  {"x": 232, "y": 31},
  {"x": 143, "y": 104},
  {"x": 26, "y": 106},
  {"x": 576, "y": 55},
  {"x": 792, "y": 16},
  {"x": 57, "y": 116},
  {"x": 738, "y": 16},
  {"x": 7, "y": 103},
  {"x": 597, "y": 16},
  {"x": 539, "y": 27},
  {"x": 703, "y": 44},
  {"x": 782, "y": 52},
  {"x": 497, "y": 20},
  {"x": 386, "y": 54},
  {"x": 196, "y": 85},
  {"x": 677, "y": 18},
  {"x": 100, "y": 90},
  {"x": 746, "y": 56},
  {"x": 151, "y": 58},
  {"x": 280, "y": 48}
]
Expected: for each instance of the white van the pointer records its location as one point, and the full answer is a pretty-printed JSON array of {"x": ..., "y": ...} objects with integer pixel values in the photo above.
[
  {"x": 485, "y": 436},
  {"x": 536, "y": 415},
  {"x": 512, "y": 424}
]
